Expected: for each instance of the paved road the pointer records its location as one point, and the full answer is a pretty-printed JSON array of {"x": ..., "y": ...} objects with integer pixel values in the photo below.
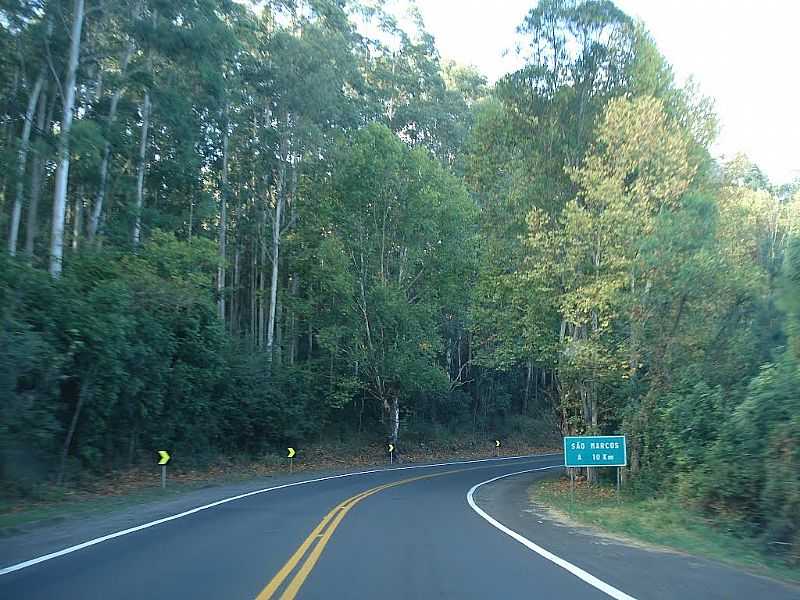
[{"x": 399, "y": 534}]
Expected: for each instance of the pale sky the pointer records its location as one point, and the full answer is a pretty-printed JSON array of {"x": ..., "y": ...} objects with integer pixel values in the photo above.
[{"x": 742, "y": 54}]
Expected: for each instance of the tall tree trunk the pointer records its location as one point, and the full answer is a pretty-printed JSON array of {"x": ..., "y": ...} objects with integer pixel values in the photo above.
[
  {"x": 310, "y": 331},
  {"x": 140, "y": 169},
  {"x": 62, "y": 171},
  {"x": 276, "y": 241},
  {"x": 22, "y": 160},
  {"x": 31, "y": 223},
  {"x": 8, "y": 128},
  {"x": 73, "y": 424},
  {"x": 310, "y": 339},
  {"x": 527, "y": 388},
  {"x": 77, "y": 215},
  {"x": 236, "y": 301},
  {"x": 254, "y": 324},
  {"x": 43, "y": 119},
  {"x": 279, "y": 330},
  {"x": 97, "y": 209},
  {"x": 98, "y": 87},
  {"x": 132, "y": 444},
  {"x": 294, "y": 289},
  {"x": 223, "y": 224},
  {"x": 458, "y": 354},
  {"x": 251, "y": 325},
  {"x": 392, "y": 408},
  {"x": 449, "y": 358},
  {"x": 262, "y": 305},
  {"x": 191, "y": 216}
]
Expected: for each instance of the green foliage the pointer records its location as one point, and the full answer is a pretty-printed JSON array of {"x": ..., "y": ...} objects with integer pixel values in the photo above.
[
  {"x": 396, "y": 229},
  {"x": 30, "y": 364},
  {"x": 618, "y": 256},
  {"x": 137, "y": 337},
  {"x": 749, "y": 461},
  {"x": 780, "y": 498}
]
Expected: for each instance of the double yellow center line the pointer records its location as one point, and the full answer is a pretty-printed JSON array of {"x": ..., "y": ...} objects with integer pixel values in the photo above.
[{"x": 320, "y": 537}]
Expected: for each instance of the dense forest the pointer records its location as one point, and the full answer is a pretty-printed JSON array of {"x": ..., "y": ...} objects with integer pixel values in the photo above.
[{"x": 230, "y": 226}]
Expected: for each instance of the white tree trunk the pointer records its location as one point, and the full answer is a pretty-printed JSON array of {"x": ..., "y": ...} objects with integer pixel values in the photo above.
[
  {"x": 310, "y": 338},
  {"x": 262, "y": 278},
  {"x": 236, "y": 301},
  {"x": 62, "y": 171},
  {"x": 77, "y": 216},
  {"x": 73, "y": 423},
  {"x": 394, "y": 421},
  {"x": 527, "y": 396},
  {"x": 44, "y": 116},
  {"x": 273, "y": 290},
  {"x": 140, "y": 169},
  {"x": 22, "y": 159},
  {"x": 294, "y": 289},
  {"x": 276, "y": 241},
  {"x": 279, "y": 316},
  {"x": 255, "y": 309},
  {"x": 223, "y": 219}
]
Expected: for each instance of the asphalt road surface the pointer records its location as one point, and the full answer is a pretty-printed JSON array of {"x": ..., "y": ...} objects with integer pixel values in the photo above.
[{"x": 394, "y": 534}]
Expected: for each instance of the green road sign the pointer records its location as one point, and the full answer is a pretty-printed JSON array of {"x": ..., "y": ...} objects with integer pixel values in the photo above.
[{"x": 595, "y": 451}]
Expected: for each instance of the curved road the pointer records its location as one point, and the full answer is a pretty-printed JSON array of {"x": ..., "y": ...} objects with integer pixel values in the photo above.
[{"x": 392, "y": 534}]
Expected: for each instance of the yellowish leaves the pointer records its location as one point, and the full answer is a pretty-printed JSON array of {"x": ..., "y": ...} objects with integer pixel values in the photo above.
[
  {"x": 640, "y": 159},
  {"x": 754, "y": 223},
  {"x": 639, "y": 166}
]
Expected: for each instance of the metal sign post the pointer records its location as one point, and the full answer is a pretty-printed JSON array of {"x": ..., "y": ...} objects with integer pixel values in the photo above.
[
  {"x": 497, "y": 447},
  {"x": 572, "y": 486},
  {"x": 290, "y": 456},
  {"x": 163, "y": 462},
  {"x": 391, "y": 454}
]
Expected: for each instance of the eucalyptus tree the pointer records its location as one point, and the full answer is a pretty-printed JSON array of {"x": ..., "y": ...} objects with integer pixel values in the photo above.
[
  {"x": 33, "y": 68},
  {"x": 67, "y": 88},
  {"x": 305, "y": 112},
  {"x": 121, "y": 35},
  {"x": 22, "y": 159}
]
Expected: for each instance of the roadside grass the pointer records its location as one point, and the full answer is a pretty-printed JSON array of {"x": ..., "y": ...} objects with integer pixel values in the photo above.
[
  {"x": 659, "y": 522},
  {"x": 48, "y": 504}
]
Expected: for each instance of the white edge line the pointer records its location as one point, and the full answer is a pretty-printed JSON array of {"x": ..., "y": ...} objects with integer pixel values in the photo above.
[
  {"x": 116, "y": 534},
  {"x": 577, "y": 571}
]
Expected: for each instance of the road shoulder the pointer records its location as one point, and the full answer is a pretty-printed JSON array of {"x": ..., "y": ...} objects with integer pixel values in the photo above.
[{"x": 642, "y": 571}]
